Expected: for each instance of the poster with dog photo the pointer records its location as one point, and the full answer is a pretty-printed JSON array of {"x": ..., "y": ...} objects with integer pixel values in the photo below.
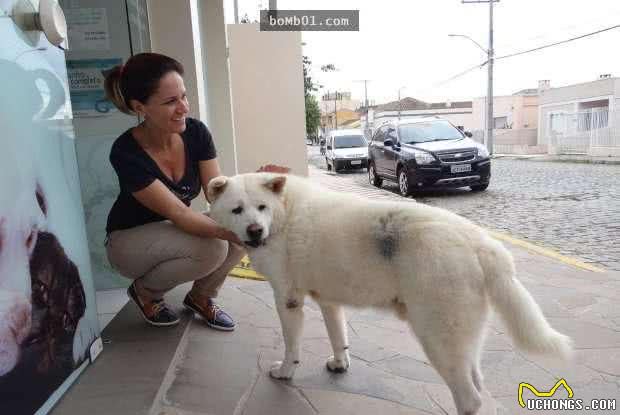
[{"x": 48, "y": 317}]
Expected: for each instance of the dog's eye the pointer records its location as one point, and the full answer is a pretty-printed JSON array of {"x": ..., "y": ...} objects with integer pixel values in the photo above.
[
  {"x": 31, "y": 238},
  {"x": 39, "y": 292},
  {"x": 237, "y": 210},
  {"x": 262, "y": 207}
]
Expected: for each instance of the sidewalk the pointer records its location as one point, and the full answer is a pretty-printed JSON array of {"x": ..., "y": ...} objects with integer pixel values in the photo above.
[
  {"x": 569, "y": 158},
  {"x": 191, "y": 370}
]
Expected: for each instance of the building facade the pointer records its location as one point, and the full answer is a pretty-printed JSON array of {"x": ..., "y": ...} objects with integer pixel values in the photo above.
[{"x": 582, "y": 118}]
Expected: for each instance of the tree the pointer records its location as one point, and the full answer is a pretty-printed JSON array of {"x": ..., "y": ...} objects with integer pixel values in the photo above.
[
  {"x": 308, "y": 84},
  {"x": 313, "y": 114}
]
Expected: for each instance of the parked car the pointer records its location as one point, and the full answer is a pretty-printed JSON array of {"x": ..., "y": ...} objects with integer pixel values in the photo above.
[
  {"x": 346, "y": 149},
  {"x": 427, "y": 152}
]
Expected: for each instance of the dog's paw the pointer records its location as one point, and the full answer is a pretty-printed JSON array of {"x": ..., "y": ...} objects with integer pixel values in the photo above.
[
  {"x": 338, "y": 365},
  {"x": 280, "y": 370}
]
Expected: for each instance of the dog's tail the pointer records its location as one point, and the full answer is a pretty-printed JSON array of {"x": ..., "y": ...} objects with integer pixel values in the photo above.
[{"x": 522, "y": 315}]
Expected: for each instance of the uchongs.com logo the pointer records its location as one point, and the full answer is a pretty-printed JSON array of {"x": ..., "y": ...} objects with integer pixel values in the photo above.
[{"x": 549, "y": 400}]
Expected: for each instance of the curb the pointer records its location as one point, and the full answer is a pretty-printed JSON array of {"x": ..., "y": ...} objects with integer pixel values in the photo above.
[
  {"x": 559, "y": 159},
  {"x": 546, "y": 252}
]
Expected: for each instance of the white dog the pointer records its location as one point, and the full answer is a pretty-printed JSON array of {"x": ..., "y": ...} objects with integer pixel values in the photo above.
[
  {"x": 22, "y": 216},
  {"x": 436, "y": 269}
]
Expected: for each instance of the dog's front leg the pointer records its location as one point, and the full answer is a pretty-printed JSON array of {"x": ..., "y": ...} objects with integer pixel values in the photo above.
[
  {"x": 336, "y": 324},
  {"x": 290, "y": 311}
]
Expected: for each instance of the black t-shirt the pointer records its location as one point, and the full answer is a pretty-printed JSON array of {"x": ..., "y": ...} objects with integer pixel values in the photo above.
[{"x": 136, "y": 170}]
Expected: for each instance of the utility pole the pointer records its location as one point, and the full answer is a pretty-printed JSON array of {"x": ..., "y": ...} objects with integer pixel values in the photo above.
[
  {"x": 490, "y": 120},
  {"x": 490, "y": 52},
  {"x": 365, "y": 81},
  {"x": 273, "y": 8},
  {"x": 336, "y": 110},
  {"x": 330, "y": 68}
]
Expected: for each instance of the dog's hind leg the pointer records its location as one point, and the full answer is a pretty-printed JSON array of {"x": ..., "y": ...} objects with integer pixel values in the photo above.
[
  {"x": 336, "y": 324},
  {"x": 451, "y": 343},
  {"x": 290, "y": 311}
]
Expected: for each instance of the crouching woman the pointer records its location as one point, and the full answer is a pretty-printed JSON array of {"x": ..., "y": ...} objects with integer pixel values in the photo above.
[{"x": 153, "y": 236}]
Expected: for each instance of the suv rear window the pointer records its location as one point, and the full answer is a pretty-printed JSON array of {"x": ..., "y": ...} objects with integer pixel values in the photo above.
[
  {"x": 422, "y": 132},
  {"x": 349, "y": 141}
]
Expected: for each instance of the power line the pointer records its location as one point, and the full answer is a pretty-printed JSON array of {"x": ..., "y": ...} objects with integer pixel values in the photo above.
[
  {"x": 438, "y": 84},
  {"x": 465, "y": 72},
  {"x": 557, "y": 43}
]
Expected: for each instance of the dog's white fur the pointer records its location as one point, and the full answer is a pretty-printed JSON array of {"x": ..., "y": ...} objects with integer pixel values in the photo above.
[
  {"x": 437, "y": 270},
  {"x": 21, "y": 218}
]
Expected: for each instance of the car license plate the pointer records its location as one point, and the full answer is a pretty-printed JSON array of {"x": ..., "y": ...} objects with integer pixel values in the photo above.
[
  {"x": 356, "y": 161},
  {"x": 460, "y": 168}
]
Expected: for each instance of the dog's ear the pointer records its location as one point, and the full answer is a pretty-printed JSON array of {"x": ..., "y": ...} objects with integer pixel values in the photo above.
[
  {"x": 276, "y": 184},
  {"x": 41, "y": 199},
  {"x": 215, "y": 187}
]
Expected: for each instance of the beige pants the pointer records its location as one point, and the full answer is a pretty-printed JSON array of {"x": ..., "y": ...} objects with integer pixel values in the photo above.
[{"x": 160, "y": 256}]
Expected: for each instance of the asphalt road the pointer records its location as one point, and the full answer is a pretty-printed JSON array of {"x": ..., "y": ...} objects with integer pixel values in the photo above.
[{"x": 572, "y": 208}]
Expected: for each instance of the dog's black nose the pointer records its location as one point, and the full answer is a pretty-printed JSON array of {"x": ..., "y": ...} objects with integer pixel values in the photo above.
[{"x": 255, "y": 232}]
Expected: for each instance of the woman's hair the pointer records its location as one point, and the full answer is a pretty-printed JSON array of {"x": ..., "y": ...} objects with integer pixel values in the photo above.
[{"x": 138, "y": 79}]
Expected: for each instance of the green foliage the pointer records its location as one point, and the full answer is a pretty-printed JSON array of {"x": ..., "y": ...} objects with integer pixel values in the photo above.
[
  {"x": 309, "y": 86},
  {"x": 313, "y": 115}
]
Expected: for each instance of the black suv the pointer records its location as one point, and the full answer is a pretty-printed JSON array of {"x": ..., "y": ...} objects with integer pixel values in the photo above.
[{"x": 427, "y": 153}]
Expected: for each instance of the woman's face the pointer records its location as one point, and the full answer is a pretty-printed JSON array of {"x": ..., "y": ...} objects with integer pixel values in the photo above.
[{"x": 167, "y": 107}]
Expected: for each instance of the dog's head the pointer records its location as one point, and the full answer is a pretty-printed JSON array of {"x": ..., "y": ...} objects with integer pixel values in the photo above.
[
  {"x": 58, "y": 302},
  {"x": 22, "y": 216},
  {"x": 250, "y": 205}
]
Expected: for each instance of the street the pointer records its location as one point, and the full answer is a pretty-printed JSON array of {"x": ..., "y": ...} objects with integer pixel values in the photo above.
[{"x": 571, "y": 208}]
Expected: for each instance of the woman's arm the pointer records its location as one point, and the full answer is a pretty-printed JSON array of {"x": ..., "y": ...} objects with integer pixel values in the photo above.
[{"x": 158, "y": 198}]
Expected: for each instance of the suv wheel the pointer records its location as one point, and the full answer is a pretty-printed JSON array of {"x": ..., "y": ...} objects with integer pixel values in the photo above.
[
  {"x": 479, "y": 187},
  {"x": 372, "y": 175},
  {"x": 329, "y": 167},
  {"x": 403, "y": 182}
]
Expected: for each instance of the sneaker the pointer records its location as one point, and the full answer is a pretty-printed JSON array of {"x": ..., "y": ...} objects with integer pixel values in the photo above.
[
  {"x": 155, "y": 312},
  {"x": 213, "y": 316}
]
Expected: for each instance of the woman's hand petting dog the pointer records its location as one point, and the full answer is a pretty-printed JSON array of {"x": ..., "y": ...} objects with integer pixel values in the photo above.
[
  {"x": 272, "y": 168},
  {"x": 230, "y": 236}
]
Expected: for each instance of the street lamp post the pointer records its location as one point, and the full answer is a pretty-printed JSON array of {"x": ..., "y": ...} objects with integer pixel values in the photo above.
[
  {"x": 489, "y": 62},
  {"x": 490, "y": 57},
  {"x": 490, "y": 120}
]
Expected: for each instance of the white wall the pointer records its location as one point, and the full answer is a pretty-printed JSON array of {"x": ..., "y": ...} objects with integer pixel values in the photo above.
[
  {"x": 527, "y": 114},
  {"x": 267, "y": 87},
  {"x": 578, "y": 92},
  {"x": 172, "y": 27},
  {"x": 502, "y": 107},
  {"x": 217, "y": 82}
]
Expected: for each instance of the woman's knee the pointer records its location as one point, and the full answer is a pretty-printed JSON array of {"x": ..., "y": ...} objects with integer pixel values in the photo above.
[{"x": 212, "y": 252}]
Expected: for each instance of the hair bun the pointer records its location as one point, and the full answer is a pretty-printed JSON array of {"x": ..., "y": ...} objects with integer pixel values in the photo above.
[{"x": 113, "y": 90}]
